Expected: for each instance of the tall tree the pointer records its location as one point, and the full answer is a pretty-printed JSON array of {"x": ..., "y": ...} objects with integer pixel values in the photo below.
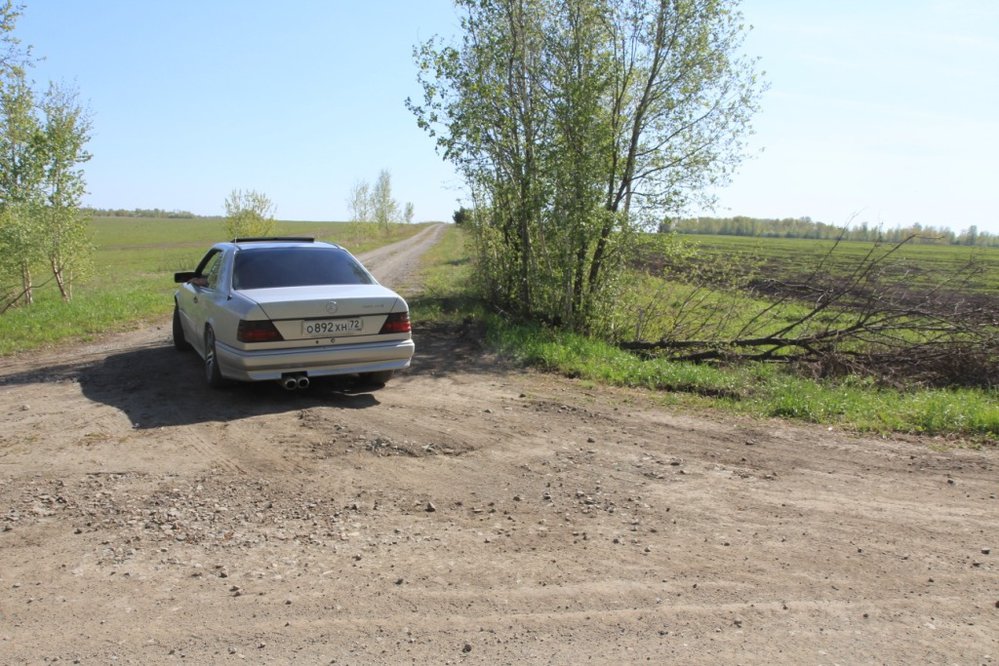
[
  {"x": 42, "y": 145},
  {"x": 576, "y": 122},
  {"x": 682, "y": 98},
  {"x": 375, "y": 204},
  {"x": 22, "y": 155},
  {"x": 12, "y": 54},
  {"x": 359, "y": 202},
  {"x": 65, "y": 135},
  {"x": 384, "y": 209}
]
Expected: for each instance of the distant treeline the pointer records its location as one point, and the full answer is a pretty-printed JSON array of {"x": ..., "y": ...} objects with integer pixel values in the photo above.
[
  {"x": 139, "y": 212},
  {"x": 805, "y": 227}
]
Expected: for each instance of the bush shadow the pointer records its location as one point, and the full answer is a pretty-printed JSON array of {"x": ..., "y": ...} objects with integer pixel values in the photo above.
[{"x": 443, "y": 348}]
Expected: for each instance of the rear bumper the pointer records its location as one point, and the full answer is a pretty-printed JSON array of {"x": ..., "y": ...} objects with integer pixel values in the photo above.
[{"x": 254, "y": 366}]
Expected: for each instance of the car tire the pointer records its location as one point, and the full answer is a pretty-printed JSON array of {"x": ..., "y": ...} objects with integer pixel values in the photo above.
[
  {"x": 179, "y": 342},
  {"x": 212, "y": 373},
  {"x": 376, "y": 378}
]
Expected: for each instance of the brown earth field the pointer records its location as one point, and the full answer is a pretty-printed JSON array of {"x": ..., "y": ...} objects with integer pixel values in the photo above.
[{"x": 470, "y": 511}]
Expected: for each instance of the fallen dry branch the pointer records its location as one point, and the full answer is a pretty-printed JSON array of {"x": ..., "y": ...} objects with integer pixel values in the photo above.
[{"x": 871, "y": 320}]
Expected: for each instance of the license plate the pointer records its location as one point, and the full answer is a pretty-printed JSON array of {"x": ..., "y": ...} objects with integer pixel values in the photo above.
[{"x": 322, "y": 328}]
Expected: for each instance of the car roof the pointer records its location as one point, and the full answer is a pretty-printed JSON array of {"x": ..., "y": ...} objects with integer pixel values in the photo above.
[{"x": 279, "y": 241}]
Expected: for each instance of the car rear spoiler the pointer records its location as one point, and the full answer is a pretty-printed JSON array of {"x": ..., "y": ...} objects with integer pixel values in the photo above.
[{"x": 272, "y": 239}]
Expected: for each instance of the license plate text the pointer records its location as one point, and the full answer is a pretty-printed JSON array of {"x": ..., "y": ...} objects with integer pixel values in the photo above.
[{"x": 331, "y": 327}]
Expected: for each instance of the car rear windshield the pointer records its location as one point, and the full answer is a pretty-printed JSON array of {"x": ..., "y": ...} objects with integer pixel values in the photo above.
[{"x": 266, "y": 268}]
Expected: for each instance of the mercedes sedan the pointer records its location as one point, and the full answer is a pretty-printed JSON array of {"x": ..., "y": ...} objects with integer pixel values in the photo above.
[{"x": 289, "y": 310}]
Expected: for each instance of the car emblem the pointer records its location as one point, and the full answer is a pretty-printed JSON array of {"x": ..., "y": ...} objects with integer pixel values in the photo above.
[{"x": 331, "y": 307}]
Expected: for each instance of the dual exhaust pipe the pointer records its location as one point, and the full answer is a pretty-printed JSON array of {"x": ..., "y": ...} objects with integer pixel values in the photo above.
[{"x": 294, "y": 382}]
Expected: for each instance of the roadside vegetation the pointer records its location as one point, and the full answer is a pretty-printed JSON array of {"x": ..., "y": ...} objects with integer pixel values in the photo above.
[
  {"x": 43, "y": 138},
  {"x": 575, "y": 126},
  {"x": 859, "y": 401},
  {"x": 582, "y": 127}
]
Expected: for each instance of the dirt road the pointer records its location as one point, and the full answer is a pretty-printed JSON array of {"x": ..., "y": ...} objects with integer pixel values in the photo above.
[{"x": 469, "y": 512}]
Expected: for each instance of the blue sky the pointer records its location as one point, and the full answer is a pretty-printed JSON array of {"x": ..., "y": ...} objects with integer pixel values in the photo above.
[{"x": 885, "y": 112}]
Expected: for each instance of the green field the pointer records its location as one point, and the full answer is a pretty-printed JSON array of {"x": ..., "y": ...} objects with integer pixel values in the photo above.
[{"x": 132, "y": 276}]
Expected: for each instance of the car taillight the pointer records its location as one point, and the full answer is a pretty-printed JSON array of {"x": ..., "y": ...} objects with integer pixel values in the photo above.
[
  {"x": 257, "y": 331},
  {"x": 397, "y": 322}
]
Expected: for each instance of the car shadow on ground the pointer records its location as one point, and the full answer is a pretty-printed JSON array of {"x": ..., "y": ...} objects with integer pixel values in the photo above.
[{"x": 159, "y": 386}]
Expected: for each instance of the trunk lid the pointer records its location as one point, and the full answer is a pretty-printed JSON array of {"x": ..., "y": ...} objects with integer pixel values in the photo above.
[{"x": 326, "y": 302}]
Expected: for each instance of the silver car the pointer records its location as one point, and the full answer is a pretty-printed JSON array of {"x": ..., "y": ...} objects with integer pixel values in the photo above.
[{"x": 289, "y": 309}]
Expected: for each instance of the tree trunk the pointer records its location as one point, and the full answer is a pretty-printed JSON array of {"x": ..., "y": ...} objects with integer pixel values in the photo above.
[
  {"x": 60, "y": 279},
  {"x": 26, "y": 284}
]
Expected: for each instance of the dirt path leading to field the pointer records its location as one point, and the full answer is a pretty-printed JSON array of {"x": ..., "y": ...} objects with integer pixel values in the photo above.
[
  {"x": 469, "y": 512},
  {"x": 397, "y": 265}
]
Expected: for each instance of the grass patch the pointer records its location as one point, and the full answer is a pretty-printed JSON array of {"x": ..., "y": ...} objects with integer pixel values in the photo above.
[
  {"x": 587, "y": 358},
  {"x": 92, "y": 313},
  {"x": 757, "y": 390},
  {"x": 446, "y": 276}
]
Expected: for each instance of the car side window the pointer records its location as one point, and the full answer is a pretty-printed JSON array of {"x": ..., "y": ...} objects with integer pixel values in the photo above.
[
  {"x": 210, "y": 268},
  {"x": 214, "y": 268}
]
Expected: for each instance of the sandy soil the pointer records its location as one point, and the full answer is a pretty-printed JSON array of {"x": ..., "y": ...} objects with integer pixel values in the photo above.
[{"x": 468, "y": 512}]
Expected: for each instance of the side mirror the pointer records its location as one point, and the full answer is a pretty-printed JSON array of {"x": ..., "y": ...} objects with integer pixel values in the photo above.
[{"x": 184, "y": 276}]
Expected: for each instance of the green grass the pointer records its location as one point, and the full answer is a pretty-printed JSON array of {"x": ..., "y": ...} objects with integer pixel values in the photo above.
[
  {"x": 446, "y": 274},
  {"x": 652, "y": 308},
  {"x": 757, "y": 390},
  {"x": 132, "y": 277},
  {"x": 134, "y": 245}
]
